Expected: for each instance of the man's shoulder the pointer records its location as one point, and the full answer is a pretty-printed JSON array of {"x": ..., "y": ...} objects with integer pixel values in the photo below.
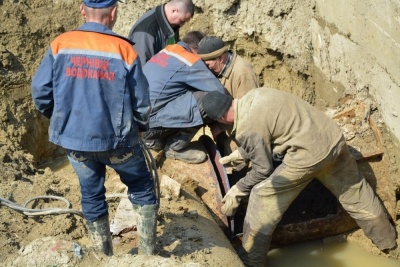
[
  {"x": 182, "y": 54},
  {"x": 148, "y": 20},
  {"x": 241, "y": 61}
]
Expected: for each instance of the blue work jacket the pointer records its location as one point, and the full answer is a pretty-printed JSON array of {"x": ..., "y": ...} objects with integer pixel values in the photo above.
[
  {"x": 174, "y": 74},
  {"x": 91, "y": 85}
]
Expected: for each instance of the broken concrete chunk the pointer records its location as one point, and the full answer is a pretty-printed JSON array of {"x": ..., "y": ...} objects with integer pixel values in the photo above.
[
  {"x": 170, "y": 187},
  {"x": 125, "y": 218}
]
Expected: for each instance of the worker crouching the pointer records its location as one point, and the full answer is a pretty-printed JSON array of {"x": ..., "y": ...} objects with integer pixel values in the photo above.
[{"x": 267, "y": 121}]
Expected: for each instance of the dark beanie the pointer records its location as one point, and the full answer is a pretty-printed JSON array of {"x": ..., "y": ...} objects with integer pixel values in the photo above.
[
  {"x": 215, "y": 104},
  {"x": 211, "y": 47}
]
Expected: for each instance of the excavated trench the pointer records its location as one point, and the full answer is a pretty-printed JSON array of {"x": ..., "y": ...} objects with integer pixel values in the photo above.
[{"x": 24, "y": 149}]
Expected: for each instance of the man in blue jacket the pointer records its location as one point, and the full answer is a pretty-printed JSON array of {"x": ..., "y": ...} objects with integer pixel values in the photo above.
[
  {"x": 91, "y": 86},
  {"x": 178, "y": 80}
]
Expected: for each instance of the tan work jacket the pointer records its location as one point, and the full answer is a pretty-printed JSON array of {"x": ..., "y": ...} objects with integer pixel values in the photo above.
[
  {"x": 239, "y": 77},
  {"x": 272, "y": 121}
]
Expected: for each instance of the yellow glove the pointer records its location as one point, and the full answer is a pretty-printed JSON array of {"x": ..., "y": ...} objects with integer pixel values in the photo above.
[
  {"x": 232, "y": 200},
  {"x": 234, "y": 158}
]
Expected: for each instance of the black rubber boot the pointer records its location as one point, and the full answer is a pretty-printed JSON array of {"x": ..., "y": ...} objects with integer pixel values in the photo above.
[
  {"x": 189, "y": 154},
  {"x": 147, "y": 228},
  {"x": 181, "y": 148},
  {"x": 99, "y": 233},
  {"x": 180, "y": 140},
  {"x": 156, "y": 145}
]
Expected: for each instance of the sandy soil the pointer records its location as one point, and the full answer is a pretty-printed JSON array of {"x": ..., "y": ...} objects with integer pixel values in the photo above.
[{"x": 188, "y": 234}]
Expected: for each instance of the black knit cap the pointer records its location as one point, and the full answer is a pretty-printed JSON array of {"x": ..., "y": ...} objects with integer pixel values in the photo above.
[
  {"x": 215, "y": 104},
  {"x": 211, "y": 47}
]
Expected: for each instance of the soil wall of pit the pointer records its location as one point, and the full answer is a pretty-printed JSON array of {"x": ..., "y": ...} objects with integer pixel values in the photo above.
[{"x": 318, "y": 50}]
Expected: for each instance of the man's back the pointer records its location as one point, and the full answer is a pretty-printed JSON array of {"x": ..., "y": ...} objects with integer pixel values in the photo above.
[
  {"x": 174, "y": 74},
  {"x": 159, "y": 27},
  {"x": 288, "y": 124},
  {"x": 89, "y": 88},
  {"x": 151, "y": 33}
]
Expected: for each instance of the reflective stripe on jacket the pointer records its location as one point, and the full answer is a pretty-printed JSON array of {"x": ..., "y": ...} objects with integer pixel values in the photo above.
[
  {"x": 174, "y": 74},
  {"x": 91, "y": 86}
]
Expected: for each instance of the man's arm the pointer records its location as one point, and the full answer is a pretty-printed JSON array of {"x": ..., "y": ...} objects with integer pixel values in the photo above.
[
  {"x": 253, "y": 148},
  {"x": 144, "y": 45},
  {"x": 139, "y": 88},
  {"x": 42, "y": 86},
  {"x": 201, "y": 78}
]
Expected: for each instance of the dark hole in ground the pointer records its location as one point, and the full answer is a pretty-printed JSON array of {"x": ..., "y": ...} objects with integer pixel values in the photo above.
[{"x": 314, "y": 202}]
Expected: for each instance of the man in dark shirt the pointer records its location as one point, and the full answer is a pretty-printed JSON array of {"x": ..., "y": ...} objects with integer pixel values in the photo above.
[{"x": 159, "y": 27}]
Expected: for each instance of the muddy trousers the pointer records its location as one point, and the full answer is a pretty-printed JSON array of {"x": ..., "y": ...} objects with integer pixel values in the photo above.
[
  {"x": 339, "y": 173},
  {"x": 176, "y": 143},
  {"x": 131, "y": 166},
  {"x": 90, "y": 167}
]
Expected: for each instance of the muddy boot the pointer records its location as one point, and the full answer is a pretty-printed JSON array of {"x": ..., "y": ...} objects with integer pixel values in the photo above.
[
  {"x": 189, "y": 155},
  {"x": 147, "y": 228},
  {"x": 99, "y": 232},
  {"x": 155, "y": 145},
  {"x": 254, "y": 249},
  {"x": 181, "y": 148}
]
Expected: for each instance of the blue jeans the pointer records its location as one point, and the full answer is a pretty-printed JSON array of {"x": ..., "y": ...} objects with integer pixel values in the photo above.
[{"x": 131, "y": 166}]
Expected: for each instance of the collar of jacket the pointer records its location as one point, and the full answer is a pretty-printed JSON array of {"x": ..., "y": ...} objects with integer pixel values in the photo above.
[
  {"x": 228, "y": 62},
  {"x": 185, "y": 45},
  {"x": 236, "y": 121},
  {"x": 165, "y": 27}
]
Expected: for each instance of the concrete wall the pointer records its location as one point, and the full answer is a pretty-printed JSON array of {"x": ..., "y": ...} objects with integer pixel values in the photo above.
[{"x": 357, "y": 43}]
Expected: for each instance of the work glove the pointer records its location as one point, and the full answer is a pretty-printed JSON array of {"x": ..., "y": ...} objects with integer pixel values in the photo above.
[
  {"x": 233, "y": 162},
  {"x": 234, "y": 158},
  {"x": 231, "y": 201}
]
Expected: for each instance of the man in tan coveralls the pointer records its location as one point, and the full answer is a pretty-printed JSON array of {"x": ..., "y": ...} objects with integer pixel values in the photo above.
[
  {"x": 236, "y": 75},
  {"x": 268, "y": 121}
]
